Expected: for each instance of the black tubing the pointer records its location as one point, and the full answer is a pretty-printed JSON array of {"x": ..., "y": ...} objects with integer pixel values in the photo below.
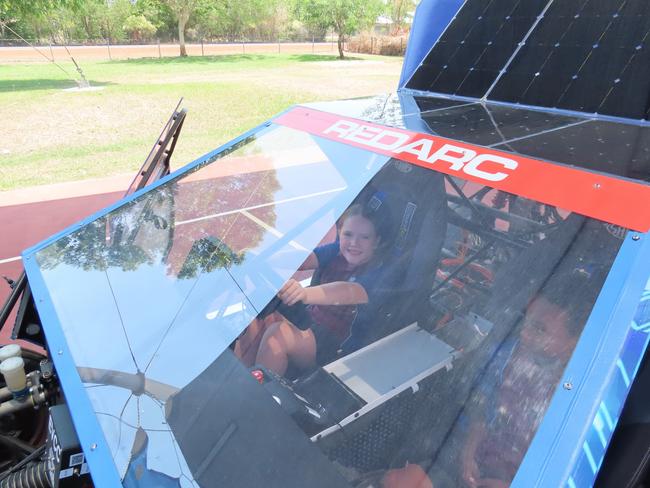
[{"x": 33, "y": 476}]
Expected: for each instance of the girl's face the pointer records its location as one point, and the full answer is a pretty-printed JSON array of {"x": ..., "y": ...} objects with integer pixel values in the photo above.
[
  {"x": 357, "y": 240},
  {"x": 545, "y": 329}
]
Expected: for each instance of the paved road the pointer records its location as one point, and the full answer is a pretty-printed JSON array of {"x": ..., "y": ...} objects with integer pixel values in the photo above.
[{"x": 30, "y": 215}]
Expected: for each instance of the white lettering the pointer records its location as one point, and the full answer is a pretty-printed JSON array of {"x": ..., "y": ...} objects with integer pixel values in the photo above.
[
  {"x": 379, "y": 141},
  {"x": 457, "y": 161},
  {"x": 363, "y": 134},
  {"x": 472, "y": 168},
  {"x": 458, "y": 158},
  {"x": 342, "y": 127},
  {"x": 420, "y": 148}
]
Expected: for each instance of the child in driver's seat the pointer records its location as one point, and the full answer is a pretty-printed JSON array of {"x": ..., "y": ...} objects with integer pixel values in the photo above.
[{"x": 348, "y": 270}]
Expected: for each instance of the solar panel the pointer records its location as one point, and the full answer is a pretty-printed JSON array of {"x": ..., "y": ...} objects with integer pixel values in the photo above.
[
  {"x": 611, "y": 147},
  {"x": 586, "y": 56},
  {"x": 476, "y": 45},
  {"x": 589, "y": 55},
  {"x": 491, "y": 125}
]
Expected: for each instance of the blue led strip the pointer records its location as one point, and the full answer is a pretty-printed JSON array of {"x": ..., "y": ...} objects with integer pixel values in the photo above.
[
  {"x": 570, "y": 443},
  {"x": 603, "y": 425}
]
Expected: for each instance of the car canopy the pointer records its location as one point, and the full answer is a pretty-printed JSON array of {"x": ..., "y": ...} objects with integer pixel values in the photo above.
[{"x": 516, "y": 259}]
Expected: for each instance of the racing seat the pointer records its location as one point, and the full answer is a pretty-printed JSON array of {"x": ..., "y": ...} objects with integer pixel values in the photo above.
[{"x": 413, "y": 199}]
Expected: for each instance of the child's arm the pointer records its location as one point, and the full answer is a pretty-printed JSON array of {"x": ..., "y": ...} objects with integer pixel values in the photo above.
[
  {"x": 282, "y": 260},
  {"x": 310, "y": 263},
  {"x": 470, "y": 471},
  {"x": 335, "y": 293}
]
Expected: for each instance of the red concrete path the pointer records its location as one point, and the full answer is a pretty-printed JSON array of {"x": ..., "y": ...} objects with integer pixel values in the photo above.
[{"x": 28, "y": 216}]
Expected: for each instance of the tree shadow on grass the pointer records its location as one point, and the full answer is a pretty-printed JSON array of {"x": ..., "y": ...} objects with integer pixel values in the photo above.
[
  {"x": 307, "y": 58},
  {"x": 42, "y": 84},
  {"x": 225, "y": 58},
  {"x": 229, "y": 58}
]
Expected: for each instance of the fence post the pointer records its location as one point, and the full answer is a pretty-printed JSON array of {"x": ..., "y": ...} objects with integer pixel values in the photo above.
[
  {"x": 312, "y": 44},
  {"x": 278, "y": 43},
  {"x": 202, "y": 53},
  {"x": 159, "y": 52},
  {"x": 243, "y": 47},
  {"x": 108, "y": 46},
  {"x": 51, "y": 52}
]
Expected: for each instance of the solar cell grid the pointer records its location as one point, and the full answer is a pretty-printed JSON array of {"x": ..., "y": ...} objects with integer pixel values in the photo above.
[
  {"x": 602, "y": 146},
  {"x": 588, "y": 42},
  {"x": 478, "y": 42},
  {"x": 588, "y": 55},
  {"x": 426, "y": 104},
  {"x": 489, "y": 125}
]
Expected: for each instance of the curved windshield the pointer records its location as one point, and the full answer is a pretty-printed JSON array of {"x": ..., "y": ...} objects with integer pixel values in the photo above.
[{"x": 296, "y": 312}]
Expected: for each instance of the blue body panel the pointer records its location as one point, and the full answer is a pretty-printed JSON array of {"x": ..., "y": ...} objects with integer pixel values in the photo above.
[
  {"x": 431, "y": 19},
  {"x": 585, "y": 468},
  {"x": 571, "y": 441}
]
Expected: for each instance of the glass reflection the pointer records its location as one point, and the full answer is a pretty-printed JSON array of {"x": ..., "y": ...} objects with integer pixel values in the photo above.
[
  {"x": 458, "y": 299},
  {"x": 153, "y": 292}
]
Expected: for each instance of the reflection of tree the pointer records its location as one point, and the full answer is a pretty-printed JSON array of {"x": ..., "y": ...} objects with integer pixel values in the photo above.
[
  {"x": 135, "y": 234},
  {"x": 193, "y": 226},
  {"x": 385, "y": 108},
  {"x": 208, "y": 254},
  {"x": 209, "y": 210},
  {"x": 87, "y": 249}
]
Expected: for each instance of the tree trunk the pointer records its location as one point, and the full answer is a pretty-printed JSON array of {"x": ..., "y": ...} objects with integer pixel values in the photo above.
[
  {"x": 340, "y": 45},
  {"x": 182, "y": 21}
]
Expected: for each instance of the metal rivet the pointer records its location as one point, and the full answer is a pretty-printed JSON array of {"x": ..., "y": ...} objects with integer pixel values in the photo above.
[
  {"x": 568, "y": 385},
  {"x": 93, "y": 446},
  {"x": 596, "y": 186},
  {"x": 636, "y": 237},
  {"x": 59, "y": 352}
]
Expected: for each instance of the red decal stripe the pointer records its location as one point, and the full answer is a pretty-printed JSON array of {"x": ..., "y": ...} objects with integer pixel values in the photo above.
[{"x": 617, "y": 201}]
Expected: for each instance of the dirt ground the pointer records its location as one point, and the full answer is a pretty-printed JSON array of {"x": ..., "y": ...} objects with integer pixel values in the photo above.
[
  {"x": 49, "y": 53},
  {"x": 72, "y": 135}
]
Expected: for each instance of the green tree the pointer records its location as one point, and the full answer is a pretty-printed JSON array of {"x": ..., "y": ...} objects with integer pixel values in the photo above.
[
  {"x": 16, "y": 13},
  {"x": 138, "y": 27},
  {"x": 159, "y": 14},
  {"x": 236, "y": 20},
  {"x": 213, "y": 20},
  {"x": 182, "y": 10},
  {"x": 88, "y": 16},
  {"x": 112, "y": 18},
  {"x": 398, "y": 12},
  {"x": 344, "y": 16}
]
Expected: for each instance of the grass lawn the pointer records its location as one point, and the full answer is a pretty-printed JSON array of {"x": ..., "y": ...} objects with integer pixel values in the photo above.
[{"x": 53, "y": 135}]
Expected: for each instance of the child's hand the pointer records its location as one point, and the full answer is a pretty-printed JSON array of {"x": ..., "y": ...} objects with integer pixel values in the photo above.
[
  {"x": 470, "y": 472},
  {"x": 492, "y": 483},
  {"x": 292, "y": 292}
]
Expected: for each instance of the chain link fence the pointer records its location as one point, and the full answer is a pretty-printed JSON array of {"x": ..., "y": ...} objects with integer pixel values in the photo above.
[{"x": 13, "y": 50}]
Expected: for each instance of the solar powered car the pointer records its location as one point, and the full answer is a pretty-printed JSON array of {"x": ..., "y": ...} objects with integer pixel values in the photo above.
[{"x": 502, "y": 335}]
